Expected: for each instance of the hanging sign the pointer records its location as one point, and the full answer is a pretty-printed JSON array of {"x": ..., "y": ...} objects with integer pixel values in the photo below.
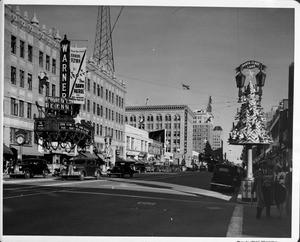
[
  {"x": 77, "y": 74},
  {"x": 64, "y": 67}
]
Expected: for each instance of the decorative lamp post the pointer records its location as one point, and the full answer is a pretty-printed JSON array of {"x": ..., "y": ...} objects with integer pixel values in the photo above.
[
  {"x": 240, "y": 82},
  {"x": 260, "y": 82},
  {"x": 250, "y": 128}
]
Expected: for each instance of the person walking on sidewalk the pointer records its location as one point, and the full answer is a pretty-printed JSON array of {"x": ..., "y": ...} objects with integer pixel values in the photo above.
[
  {"x": 288, "y": 187},
  {"x": 257, "y": 186},
  {"x": 263, "y": 185},
  {"x": 279, "y": 189}
]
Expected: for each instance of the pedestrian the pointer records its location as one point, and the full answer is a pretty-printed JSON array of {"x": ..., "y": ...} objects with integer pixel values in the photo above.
[
  {"x": 288, "y": 187},
  {"x": 268, "y": 186},
  {"x": 279, "y": 189},
  {"x": 257, "y": 186}
]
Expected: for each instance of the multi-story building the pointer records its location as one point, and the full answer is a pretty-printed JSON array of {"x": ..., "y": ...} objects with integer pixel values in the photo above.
[
  {"x": 29, "y": 50},
  {"x": 104, "y": 107},
  {"x": 137, "y": 143},
  {"x": 202, "y": 129},
  {"x": 217, "y": 138},
  {"x": 177, "y": 120}
]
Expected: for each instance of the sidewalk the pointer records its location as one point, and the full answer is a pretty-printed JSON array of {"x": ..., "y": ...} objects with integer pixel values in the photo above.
[{"x": 264, "y": 227}]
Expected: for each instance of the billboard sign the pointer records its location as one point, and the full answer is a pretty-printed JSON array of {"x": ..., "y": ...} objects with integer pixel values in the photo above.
[{"x": 77, "y": 74}]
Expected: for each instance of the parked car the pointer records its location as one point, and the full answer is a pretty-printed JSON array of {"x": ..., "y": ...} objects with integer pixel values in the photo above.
[
  {"x": 81, "y": 168},
  {"x": 121, "y": 169},
  {"x": 224, "y": 176},
  {"x": 139, "y": 167},
  {"x": 29, "y": 168}
]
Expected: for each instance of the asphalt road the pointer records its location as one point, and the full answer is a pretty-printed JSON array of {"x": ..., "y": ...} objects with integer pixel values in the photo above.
[{"x": 148, "y": 205}]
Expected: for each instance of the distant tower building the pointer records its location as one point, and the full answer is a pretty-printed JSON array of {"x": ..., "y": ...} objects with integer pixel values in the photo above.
[
  {"x": 217, "y": 138},
  {"x": 202, "y": 129}
]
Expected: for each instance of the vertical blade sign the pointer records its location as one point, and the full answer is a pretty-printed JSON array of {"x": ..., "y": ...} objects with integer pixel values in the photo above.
[{"x": 64, "y": 67}]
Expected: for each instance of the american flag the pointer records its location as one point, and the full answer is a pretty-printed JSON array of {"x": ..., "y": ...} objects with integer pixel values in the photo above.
[{"x": 185, "y": 87}]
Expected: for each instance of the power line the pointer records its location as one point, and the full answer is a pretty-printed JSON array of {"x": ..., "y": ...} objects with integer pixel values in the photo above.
[{"x": 175, "y": 87}]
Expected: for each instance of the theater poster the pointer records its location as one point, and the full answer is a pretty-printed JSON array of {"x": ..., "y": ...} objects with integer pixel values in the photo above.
[{"x": 77, "y": 74}]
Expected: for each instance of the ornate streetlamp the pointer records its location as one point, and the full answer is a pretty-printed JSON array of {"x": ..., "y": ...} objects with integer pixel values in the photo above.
[{"x": 250, "y": 128}]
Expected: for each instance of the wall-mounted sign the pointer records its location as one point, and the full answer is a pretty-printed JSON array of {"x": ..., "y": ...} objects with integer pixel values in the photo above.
[
  {"x": 64, "y": 67},
  {"x": 77, "y": 74}
]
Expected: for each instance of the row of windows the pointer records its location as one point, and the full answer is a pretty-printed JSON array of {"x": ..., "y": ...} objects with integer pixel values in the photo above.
[
  {"x": 99, "y": 111},
  {"x": 104, "y": 131},
  {"x": 17, "y": 108},
  {"x": 27, "y": 83},
  {"x": 29, "y": 54},
  {"x": 150, "y": 118},
  {"x": 109, "y": 96}
]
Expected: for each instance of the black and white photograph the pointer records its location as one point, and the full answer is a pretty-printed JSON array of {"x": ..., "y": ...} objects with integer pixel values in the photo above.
[{"x": 149, "y": 121}]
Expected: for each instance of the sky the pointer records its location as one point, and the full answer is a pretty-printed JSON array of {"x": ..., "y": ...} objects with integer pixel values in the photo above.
[{"x": 156, "y": 49}]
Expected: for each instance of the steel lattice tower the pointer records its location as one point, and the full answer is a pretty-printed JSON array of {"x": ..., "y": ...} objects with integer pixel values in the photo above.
[{"x": 103, "y": 48}]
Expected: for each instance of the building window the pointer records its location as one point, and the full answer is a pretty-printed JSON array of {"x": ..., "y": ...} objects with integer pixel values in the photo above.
[
  {"x": 13, "y": 106},
  {"x": 47, "y": 62},
  {"x": 112, "y": 115},
  {"x": 101, "y": 111},
  {"x": 98, "y": 109},
  {"x": 109, "y": 96},
  {"x": 97, "y": 131},
  {"x": 112, "y": 98},
  {"x": 89, "y": 85},
  {"x": 88, "y": 105},
  {"x": 117, "y": 100},
  {"x": 94, "y": 88},
  {"x": 22, "y": 49},
  {"x": 41, "y": 58},
  {"x": 98, "y": 90},
  {"x": 53, "y": 90},
  {"x": 47, "y": 89},
  {"x": 29, "y": 53},
  {"x": 94, "y": 107},
  {"x": 13, "y": 44},
  {"x": 22, "y": 73},
  {"x": 101, "y": 92},
  {"x": 106, "y": 113},
  {"x": 13, "y": 75},
  {"x": 21, "y": 104},
  {"x": 29, "y": 81},
  {"x": 100, "y": 129},
  {"x": 53, "y": 66},
  {"x": 29, "y": 110},
  {"x": 106, "y": 95}
]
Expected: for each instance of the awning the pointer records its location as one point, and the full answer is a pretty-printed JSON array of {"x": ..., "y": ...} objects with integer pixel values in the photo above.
[{"x": 7, "y": 150}]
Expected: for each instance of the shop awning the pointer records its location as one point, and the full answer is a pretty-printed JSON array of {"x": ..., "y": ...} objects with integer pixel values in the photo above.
[{"x": 7, "y": 150}]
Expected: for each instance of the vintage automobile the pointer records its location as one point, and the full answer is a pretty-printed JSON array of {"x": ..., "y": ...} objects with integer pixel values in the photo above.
[
  {"x": 224, "y": 176},
  {"x": 121, "y": 169},
  {"x": 29, "y": 168},
  {"x": 81, "y": 168}
]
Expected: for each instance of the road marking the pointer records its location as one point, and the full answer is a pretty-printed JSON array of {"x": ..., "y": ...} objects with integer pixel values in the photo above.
[
  {"x": 143, "y": 197},
  {"x": 235, "y": 228}
]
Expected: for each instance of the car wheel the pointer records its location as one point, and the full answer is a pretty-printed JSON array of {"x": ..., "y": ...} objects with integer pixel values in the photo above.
[
  {"x": 27, "y": 174},
  {"x": 81, "y": 176},
  {"x": 98, "y": 175},
  {"x": 45, "y": 173}
]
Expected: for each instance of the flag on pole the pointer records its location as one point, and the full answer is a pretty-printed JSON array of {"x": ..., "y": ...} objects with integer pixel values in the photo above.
[{"x": 185, "y": 87}]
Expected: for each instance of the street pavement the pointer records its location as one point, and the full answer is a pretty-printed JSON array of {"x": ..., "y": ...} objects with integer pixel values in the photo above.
[{"x": 243, "y": 223}]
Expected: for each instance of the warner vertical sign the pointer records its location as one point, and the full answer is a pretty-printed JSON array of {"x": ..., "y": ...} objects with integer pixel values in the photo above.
[{"x": 64, "y": 67}]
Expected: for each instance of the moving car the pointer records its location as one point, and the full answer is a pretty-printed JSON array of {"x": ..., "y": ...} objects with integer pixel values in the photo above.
[
  {"x": 202, "y": 168},
  {"x": 29, "y": 168},
  {"x": 81, "y": 168},
  {"x": 224, "y": 176},
  {"x": 121, "y": 169}
]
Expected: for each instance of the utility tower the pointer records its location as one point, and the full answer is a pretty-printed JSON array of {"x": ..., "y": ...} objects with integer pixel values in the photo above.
[{"x": 103, "y": 48}]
